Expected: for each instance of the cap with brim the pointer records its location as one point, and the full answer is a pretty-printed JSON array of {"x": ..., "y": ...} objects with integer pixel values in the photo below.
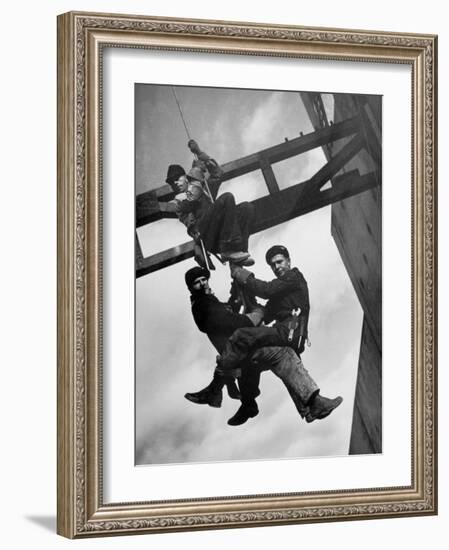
[
  {"x": 174, "y": 172},
  {"x": 274, "y": 251}
]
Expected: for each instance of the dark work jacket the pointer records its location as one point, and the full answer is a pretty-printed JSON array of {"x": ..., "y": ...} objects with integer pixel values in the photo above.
[
  {"x": 200, "y": 208},
  {"x": 216, "y": 319},
  {"x": 283, "y": 294}
]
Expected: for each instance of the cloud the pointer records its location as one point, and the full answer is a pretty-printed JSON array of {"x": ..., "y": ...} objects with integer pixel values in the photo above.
[
  {"x": 173, "y": 357},
  {"x": 258, "y": 125}
]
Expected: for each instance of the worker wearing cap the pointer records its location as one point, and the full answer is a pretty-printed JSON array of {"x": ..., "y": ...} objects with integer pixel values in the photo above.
[
  {"x": 288, "y": 306},
  {"x": 223, "y": 226},
  {"x": 177, "y": 179},
  {"x": 219, "y": 323}
]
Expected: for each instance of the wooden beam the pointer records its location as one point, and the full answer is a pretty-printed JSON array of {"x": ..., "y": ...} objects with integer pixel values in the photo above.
[
  {"x": 152, "y": 211},
  {"x": 165, "y": 258},
  {"x": 268, "y": 175},
  {"x": 373, "y": 142},
  {"x": 146, "y": 203},
  {"x": 292, "y": 148},
  {"x": 273, "y": 210},
  {"x": 138, "y": 252},
  {"x": 314, "y": 106}
]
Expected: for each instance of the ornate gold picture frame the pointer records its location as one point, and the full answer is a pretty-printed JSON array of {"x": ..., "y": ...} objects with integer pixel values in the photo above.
[{"x": 83, "y": 510}]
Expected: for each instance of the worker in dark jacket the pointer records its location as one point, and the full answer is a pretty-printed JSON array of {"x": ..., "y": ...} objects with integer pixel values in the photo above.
[
  {"x": 288, "y": 305},
  {"x": 219, "y": 322},
  {"x": 223, "y": 226}
]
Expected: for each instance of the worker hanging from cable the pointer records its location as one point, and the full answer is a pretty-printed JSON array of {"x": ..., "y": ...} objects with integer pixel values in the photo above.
[{"x": 218, "y": 226}]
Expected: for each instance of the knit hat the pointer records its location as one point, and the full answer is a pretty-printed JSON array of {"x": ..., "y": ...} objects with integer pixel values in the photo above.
[
  {"x": 193, "y": 274},
  {"x": 174, "y": 172},
  {"x": 274, "y": 250}
]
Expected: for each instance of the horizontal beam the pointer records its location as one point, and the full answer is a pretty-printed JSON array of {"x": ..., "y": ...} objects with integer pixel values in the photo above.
[
  {"x": 147, "y": 210},
  {"x": 164, "y": 259},
  {"x": 273, "y": 210},
  {"x": 291, "y": 148},
  {"x": 373, "y": 142}
]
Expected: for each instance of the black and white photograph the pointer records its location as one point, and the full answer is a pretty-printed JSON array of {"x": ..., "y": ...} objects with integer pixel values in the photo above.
[{"x": 258, "y": 290}]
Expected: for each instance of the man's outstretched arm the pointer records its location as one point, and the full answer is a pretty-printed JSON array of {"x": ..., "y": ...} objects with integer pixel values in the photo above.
[{"x": 268, "y": 289}]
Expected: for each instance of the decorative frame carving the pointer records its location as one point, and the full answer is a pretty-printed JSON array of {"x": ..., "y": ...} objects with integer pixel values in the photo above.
[{"x": 81, "y": 37}]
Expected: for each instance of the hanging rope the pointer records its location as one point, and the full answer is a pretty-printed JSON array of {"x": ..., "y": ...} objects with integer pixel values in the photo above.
[
  {"x": 180, "y": 112},
  {"x": 207, "y": 259},
  {"x": 206, "y": 184}
]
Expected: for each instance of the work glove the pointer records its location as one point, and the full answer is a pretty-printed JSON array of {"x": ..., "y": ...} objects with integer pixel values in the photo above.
[
  {"x": 194, "y": 147},
  {"x": 240, "y": 274},
  {"x": 196, "y": 236}
]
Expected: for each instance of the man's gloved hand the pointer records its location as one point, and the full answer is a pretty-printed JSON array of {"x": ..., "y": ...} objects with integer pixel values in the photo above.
[
  {"x": 256, "y": 315},
  {"x": 193, "y": 146},
  {"x": 196, "y": 236},
  {"x": 240, "y": 274}
]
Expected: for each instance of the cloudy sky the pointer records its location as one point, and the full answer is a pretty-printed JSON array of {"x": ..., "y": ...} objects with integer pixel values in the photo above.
[{"x": 172, "y": 356}]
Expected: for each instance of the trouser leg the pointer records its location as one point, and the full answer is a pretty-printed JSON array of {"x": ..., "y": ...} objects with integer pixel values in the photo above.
[
  {"x": 289, "y": 368},
  {"x": 245, "y": 218},
  {"x": 218, "y": 382},
  {"x": 220, "y": 229},
  {"x": 243, "y": 341},
  {"x": 249, "y": 384}
]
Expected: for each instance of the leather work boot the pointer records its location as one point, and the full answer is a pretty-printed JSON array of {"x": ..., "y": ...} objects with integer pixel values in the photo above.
[
  {"x": 244, "y": 413},
  {"x": 207, "y": 396},
  {"x": 233, "y": 390},
  {"x": 247, "y": 263},
  {"x": 322, "y": 407},
  {"x": 236, "y": 257}
]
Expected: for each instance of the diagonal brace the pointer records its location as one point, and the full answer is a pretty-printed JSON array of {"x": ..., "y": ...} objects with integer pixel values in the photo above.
[{"x": 333, "y": 166}]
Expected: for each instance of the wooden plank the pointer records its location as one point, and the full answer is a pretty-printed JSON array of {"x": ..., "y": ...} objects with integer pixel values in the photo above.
[
  {"x": 373, "y": 143},
  {"x": 165, "y": 258},
  {"x": 268, "y": 174},
  {"x": 146, "y": 210},
  {"x": 273, "y": 210},
  {"x": 138, "y": 251}
]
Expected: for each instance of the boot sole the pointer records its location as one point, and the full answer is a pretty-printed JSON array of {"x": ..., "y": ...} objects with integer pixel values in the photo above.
[
  {"x": 243, "y": 422},
  {"x": 324, "y": 414},
  {"x": 197, "y": 402}
]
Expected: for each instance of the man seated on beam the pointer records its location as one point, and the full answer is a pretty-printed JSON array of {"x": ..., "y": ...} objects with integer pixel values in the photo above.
[
  {"x": 222, "y": 226},
  {"x": 219, "y": 322}
]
